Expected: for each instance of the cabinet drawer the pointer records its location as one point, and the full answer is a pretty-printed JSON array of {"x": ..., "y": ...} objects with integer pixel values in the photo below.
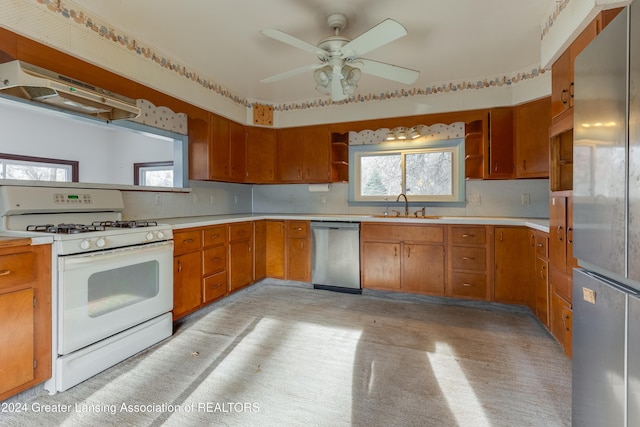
[
  {"x": 395, "y": 233},
  {"x": 17, "y": 269},
  {"x": 215, "y": 286},
  {"x": 542, "y": 245},
  {"x": 214, "y": 260},
  {"x": 468, "y": 235},
  {"x": 187, "y": 241},
  {"x": 468, "y": 258},
  {"x": 240, "y": 231},
  {"x": 297, "y": 229},
  {"x": 214, "y": 236},
  {"x": 472, "y": 285},
  {"x": 561, "y": 283}
]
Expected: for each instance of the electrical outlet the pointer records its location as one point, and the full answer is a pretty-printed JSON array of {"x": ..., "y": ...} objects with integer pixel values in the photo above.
[
  {"x": 212, "y": 199},
  {"x": 158, "y": 200},
  {"x": 236, "y": 199},
  {"x": 526, "y": 199},
  {"x": 196, "y": 198},
  {"x": 291, "y": 199},
  {"x": 474, "y": 199},
  {"x": 323, "y": 199}
]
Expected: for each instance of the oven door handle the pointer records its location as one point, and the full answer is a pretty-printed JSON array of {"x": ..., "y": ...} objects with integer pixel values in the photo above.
[{"x": 79, "y": 260}]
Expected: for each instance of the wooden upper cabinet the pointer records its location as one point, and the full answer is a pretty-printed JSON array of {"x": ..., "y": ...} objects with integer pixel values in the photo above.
[
  {"x": 199, "y": 149},
  {"x": 304, "y": 154},
  {"x": 317, "y": 154},
  {"x": 290, "y": 154},
  {"x": 237, "y": 152},
  {"x": 261, "y": 146},
  {"x": 501, "y": 143},
  {"x": 219, "y": 148},
  {"x": 531, "y": 128}
]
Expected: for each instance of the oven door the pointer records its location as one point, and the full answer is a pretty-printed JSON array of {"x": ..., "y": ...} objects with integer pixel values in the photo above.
[{"x": 103, "y": 293}]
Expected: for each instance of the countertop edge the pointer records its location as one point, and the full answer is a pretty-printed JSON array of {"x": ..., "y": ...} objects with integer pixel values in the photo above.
[{"x": 539, "y": 224}]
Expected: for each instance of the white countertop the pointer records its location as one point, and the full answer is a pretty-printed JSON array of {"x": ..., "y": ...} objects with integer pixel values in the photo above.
[{"x": 540, "y": 224}]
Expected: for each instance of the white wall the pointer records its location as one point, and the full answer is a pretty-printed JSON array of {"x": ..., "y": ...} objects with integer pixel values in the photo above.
[{"x": 105, "y": 153}]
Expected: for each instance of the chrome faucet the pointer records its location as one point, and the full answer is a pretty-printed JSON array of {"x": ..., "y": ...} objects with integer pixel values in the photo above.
[{"x": 406, "y": 203}]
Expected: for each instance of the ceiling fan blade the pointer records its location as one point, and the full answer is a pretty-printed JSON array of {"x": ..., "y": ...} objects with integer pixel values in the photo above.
[
  {"x": 386, "y": 71},
  {"x": 291, "y": 73},
  {"x": 383, "y": 33},
  {"x": 295, "y": 42}
]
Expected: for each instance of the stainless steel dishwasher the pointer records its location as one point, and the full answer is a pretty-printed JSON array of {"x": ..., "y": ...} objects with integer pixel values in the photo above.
[{"x": 335, "y": 256}]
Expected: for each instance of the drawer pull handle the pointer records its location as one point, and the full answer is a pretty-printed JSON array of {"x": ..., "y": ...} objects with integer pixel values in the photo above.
[
  {"x": 468, "y": 235},
  {"x": 187, "y": 241},
  {"x": 216, "y": 286},
  {"x": 215, "y": 236},
  {"x": 299, "y": 229},
  {"x": 216, "y": 259},
  {"x": 179, "y": 266},
  {"x": 540, "y": 245},
  {"x": 468, "y": 258},
  {"x": 468, "y": 285},
  {"x": 5, "y": 272}
]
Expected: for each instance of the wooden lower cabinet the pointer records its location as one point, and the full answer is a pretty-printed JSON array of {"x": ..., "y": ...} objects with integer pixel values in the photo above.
[
  {"x": 298, "y": 253},
  {"x": 470, "y": 261},
  {"x": 406, "y": 258},
  {"x": 199, "y": 268},
  {"x": 25, "y": 316},
  {"x": 240, "y": 255},
  {"x": 187, "y": 283},
  {"x": 275, "y": 248},
  {"x": 561, "y": 322},
  {"x": 513, "y": 265},
  {"x": 541, "y": 288},
  {"x": 381, "y": 265}
]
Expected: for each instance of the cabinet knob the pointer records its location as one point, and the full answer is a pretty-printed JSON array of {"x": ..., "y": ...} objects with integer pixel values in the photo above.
[
  {"x": 559, "y": 233},
  {"x": 564, "y": 96}
]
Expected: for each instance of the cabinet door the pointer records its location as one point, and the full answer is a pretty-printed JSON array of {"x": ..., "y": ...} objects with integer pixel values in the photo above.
[
  {"x": 542, "y": 291},
  {"x": 423, "y": 269},
  {"x": 220, "y": 141},
  {"x": 199, "y": 149},
  {"x": 558, "y": 233},
  {"x": 381, "y": 265},
  {"x": 317, "y": 154},
  {"x": 260, "y": 249},
  {"x": 561, "y": 79},
  {"x": 261, "y": 155},
  {"x": 532, "y": 121},
  {"x": 571, "y": 261},
  {"x": 236, "y": 152},
  {"x": 240, "y": 264},
  {"x": 501, "y": 147},
  {"x": 17, "y": 351},
  {"x": 298, "y": 260},
  {"x": 275, "y": 249},
  {"x": 561, "y": 316},
  {"x": 187, "y": 283},
  {"x": 290, "y": 154},
  {"x": 513, "y": 265}
]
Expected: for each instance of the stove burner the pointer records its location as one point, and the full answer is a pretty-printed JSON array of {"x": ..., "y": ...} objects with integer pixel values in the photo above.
[
  {"x": 126, "y": 224},
  {"x": 65, "y": 228}
]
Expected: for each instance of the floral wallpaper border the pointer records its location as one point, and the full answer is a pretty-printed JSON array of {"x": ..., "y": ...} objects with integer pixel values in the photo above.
[{"x": 78, "y": 16}]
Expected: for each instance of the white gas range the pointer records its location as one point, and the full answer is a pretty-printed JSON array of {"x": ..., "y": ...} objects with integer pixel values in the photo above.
[{"x": 112, "y": 291}]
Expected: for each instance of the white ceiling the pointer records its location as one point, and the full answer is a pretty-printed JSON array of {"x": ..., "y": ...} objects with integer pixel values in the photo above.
[{"x": 448, "y": 40}]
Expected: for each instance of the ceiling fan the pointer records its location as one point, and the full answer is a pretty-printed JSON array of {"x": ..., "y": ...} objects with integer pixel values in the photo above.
[{"x": 340, "y": 57}]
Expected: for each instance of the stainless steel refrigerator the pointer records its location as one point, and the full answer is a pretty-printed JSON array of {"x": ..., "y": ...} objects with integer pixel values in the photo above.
[{"x": 606, "y": 235}]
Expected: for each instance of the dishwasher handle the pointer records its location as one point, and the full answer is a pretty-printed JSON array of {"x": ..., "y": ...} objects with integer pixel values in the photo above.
[{"x": 332, "y": 225}]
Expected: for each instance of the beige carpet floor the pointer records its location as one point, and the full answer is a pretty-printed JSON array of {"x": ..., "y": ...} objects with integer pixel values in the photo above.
[{"x": 282, "y": 354}]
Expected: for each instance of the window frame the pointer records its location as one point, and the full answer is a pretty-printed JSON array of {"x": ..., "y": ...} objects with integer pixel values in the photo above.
[
  {"x": 73, "y": 164},
  {"x": 140, "y": 167},
  {"x": 455, "y": 146}
]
